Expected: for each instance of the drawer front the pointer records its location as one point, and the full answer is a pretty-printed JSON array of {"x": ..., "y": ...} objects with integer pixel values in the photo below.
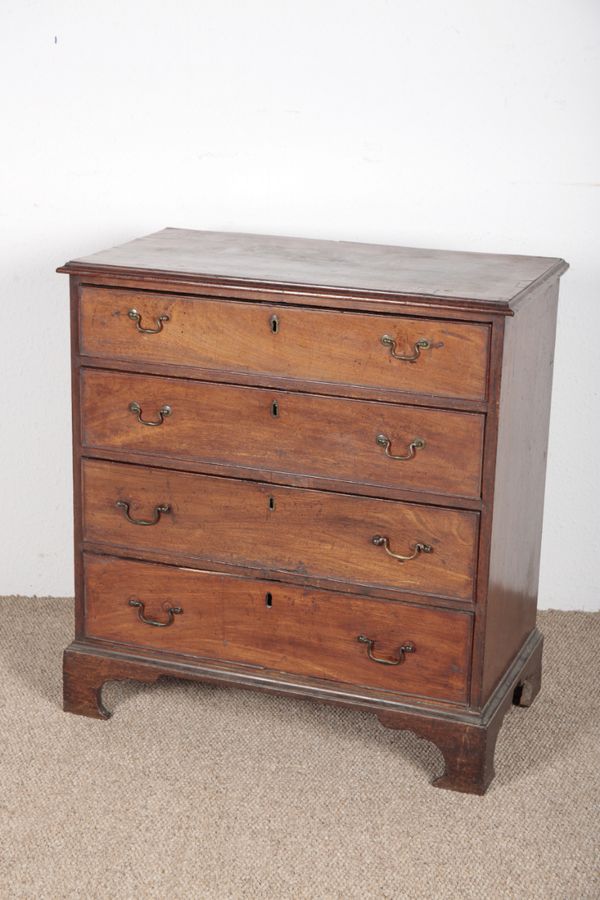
[
  {"x": 278, "y": 626},
  {"x": 315, "y": 534},
  {"x": 284, "y": 432},
  {"x": 304, "y": 344}
]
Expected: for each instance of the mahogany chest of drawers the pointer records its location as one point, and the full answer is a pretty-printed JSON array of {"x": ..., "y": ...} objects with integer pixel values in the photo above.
[{"x": 315, "y": 468}]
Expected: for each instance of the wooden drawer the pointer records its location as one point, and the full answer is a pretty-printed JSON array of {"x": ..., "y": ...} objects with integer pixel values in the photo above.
[
  {"x": 278, "y": 626},
  {"x": 312, "y": 346},
  {"x": 315, "y": 534},
  {"x": 285, "y": 433}
]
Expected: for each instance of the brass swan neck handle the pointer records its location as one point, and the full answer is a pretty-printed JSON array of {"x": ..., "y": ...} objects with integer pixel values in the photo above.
[
  {"x": 136, "y": 317},
  {"x": 171, "y": 612},
  {"x": 421, "y": 344},
  {"x": 407, "y": 647},
  {"x": 382, "y": 541},
  {"x": 163, "y": 412},
  {"x": 158, "y": 511},
  {"x": 416, "y": 444}
]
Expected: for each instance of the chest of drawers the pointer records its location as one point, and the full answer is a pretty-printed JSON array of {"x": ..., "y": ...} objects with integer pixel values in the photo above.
[{"x": 314, "y": 468}]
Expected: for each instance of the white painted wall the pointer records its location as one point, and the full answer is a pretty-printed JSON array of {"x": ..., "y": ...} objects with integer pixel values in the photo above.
[{"x": 461, "y": 125}]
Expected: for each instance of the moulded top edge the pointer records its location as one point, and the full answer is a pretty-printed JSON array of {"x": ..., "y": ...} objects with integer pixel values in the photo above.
[{"x": 483, "y": 281}]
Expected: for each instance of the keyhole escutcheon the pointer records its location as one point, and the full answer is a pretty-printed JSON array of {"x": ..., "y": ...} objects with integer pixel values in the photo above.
[
  {"x": 274, "y": 409},
  {"x": 274, "y": 322}
]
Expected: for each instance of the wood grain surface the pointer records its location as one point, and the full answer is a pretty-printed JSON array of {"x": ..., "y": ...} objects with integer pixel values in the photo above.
[
  {"x": 515, "y": 547},
  {"x": 284, "y": 432},
  {"x": 310, "y": 533},
  {"x": 278, "y": 626},
  {"x": 309, "y": 345},
  {"x": 489, "y": 278}
]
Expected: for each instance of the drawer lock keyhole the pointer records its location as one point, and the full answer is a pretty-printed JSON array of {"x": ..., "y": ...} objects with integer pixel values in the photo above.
[
  {"x": 269, "y": 599},
  {"x": 274, "y": 322},
  {"x": 275, "y": 409}
]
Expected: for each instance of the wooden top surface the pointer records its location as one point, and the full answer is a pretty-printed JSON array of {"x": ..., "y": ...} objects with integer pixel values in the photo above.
[{"x": 494, "y": 279}]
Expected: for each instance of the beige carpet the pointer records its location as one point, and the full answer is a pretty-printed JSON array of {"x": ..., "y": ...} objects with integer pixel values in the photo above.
[{"x": 192, "y": 791}]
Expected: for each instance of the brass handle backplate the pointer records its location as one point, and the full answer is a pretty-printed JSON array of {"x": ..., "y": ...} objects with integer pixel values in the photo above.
[
  {"x": 419, "y": 345},
  {"x": 163, "y": 412},
  {"x": 137, "y": 318},
  {"x": 158, "y": 511},
  {"x": 381, "y": 541},
  {"x": 172, "y": 612},
  {"x": 408, "y": 647},
  {"x": 385, "y": 442}
]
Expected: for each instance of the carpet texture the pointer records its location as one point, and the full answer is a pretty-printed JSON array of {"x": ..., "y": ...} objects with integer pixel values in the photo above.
[{"x": 196, "y": 791}]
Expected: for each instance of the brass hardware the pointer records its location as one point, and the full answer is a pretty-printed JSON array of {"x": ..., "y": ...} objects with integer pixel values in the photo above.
[
  {"x": 274, "y": 322},
  {"x": 385, "y": 442},
  {"x": 271, "y": 504},
  {"x": 172, "y": 611},
  {"x": 137, "y": 318},
  {"x": 408, "y": 647},
  {"x": 419, "y": 345},
  {"x": 269, "y": 599},
  {"x": 384, "y": 542},
  {"x": 158, "y": 511},
  {"x": 163, "y": 412},
  {"x": 275, "y": 409}
]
